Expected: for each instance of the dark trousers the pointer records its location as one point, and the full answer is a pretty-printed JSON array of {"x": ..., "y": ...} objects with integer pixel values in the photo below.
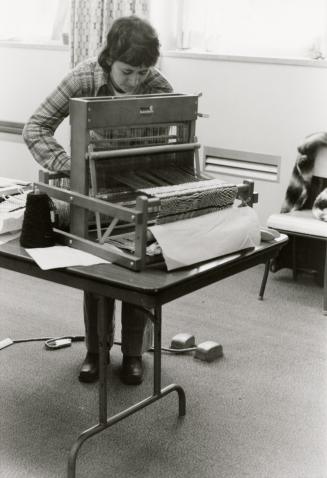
[{"x": 134, "y": 320}]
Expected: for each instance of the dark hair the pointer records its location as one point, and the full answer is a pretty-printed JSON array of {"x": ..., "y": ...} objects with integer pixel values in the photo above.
[{"x": 131, "y": 40}]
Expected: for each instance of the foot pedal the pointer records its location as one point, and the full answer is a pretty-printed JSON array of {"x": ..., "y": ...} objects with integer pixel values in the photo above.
[
  {"x": 5, "y": 343},
  {"x": 208, "y": 351},
  {"x": 182, "y": 341},
  {"x": 60, "y": 343}
]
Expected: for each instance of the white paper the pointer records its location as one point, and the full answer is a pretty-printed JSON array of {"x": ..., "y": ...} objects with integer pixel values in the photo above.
[
  {"x": 205, "y": 237},
  {"x": 9, "y": 236},
  {"x": 4, "y": 182},
  {"x": 62, "y": 256},
  {"x": 11, "y": 186},
  {"x": 11, "y": 221}
]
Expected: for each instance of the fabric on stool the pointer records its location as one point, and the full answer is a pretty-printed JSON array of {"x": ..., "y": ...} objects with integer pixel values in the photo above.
[{"x": 299, "y": 188}]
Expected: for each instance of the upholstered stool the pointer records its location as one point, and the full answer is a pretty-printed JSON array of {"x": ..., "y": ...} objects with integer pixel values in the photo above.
[{"x": 303, "y": 226}]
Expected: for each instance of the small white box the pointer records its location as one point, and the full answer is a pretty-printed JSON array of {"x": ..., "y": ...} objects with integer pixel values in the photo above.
[{"x": 208, "y": 351}]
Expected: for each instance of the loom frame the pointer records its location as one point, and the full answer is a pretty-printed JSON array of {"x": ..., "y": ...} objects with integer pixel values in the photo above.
[{"x": 87, "y": 114}]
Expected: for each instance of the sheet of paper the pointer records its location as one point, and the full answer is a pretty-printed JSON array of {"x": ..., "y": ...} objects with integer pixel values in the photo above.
[
  {"x": 10, "y": 221},
  {"x": 62, "y": 256},
  {"x": 11, "y": 186},
  {"x": 4, "y": 182},
  {"x": 9, "y": 236},
  {"x": 205, "y": 237}
]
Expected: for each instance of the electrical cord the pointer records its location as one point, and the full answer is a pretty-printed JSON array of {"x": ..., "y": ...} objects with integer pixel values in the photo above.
[
  {"x": 74, "y": 338},
  {"x": 55, "y": 343},
  {"x": 50, "y": 342},
  {"x": 61, "y": 342},
  {"x": 175, "y": 351},
  {"x": 168, "y": 349}
]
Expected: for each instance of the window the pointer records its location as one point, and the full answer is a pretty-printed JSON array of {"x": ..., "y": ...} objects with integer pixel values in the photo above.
[
  {"x": 36, "y": 21},
  {"x": 280, "y": 28}
]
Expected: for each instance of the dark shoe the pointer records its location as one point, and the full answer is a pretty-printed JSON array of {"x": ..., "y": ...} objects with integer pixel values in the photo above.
[
  {"x": 89, "y": 371},
  {"x": 132, "y": 370}
]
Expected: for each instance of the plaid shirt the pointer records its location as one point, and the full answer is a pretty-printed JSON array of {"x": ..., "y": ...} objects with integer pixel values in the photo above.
[{"x": 87, "y": 79}]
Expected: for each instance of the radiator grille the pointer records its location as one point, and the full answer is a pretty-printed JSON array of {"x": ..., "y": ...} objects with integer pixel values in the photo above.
[{"x": 244, "y": 164}]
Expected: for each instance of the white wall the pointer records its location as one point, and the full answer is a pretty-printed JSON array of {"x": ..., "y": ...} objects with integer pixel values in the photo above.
[
  {"x": 28, "y": 76},
  {"x": 162, "y": 16},
  {"x": 256, "y": 107}
]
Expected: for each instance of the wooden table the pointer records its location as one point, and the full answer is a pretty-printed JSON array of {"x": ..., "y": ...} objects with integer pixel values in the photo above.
[{"x": 149, "y": 289}]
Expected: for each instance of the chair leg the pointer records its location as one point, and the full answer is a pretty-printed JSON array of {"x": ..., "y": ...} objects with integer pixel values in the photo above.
[
  {"x": 294, "y": 265},
  {"x": 264, "y": 280},
  {"x": 325, "y": 285}
]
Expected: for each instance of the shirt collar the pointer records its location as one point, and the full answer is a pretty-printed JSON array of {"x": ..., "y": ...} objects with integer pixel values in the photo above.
[{"x": 100, "y": 78}]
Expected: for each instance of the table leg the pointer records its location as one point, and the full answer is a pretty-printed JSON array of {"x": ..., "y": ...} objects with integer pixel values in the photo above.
[
  {"x": 264, "y": 280},
  {"x": 325, "y": 284},
  {"x": 157, "y": 352},
  {"x": 104, "y": 313},
  {"x": 294, "y": 259},
  {"x": 158, "y": 392}
]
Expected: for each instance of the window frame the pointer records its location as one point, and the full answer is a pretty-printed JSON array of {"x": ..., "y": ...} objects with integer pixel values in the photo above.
[
  {"x": 182, "y": 51},
  {"x": 208, "y": 56},
  {"x": 41, "y": 43}
]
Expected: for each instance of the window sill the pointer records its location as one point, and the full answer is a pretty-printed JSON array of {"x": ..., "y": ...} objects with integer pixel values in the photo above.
[
  {"x": 33, "y": 45},
  {"x": 199, "y": 55}
]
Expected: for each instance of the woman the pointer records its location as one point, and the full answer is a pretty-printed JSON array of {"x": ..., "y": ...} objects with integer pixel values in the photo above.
[{"x": 125, "y": 66}]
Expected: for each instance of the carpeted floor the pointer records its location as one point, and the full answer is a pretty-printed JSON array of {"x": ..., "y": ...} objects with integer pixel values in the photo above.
[{"x": 258, "y": 412}]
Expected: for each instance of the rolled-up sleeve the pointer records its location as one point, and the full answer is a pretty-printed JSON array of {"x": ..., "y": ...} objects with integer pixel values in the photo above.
[{"x": 39, "y": 130}]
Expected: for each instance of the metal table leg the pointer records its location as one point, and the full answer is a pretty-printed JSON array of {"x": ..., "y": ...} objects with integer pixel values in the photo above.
[
  {"x": 102, "y": 318},
  {"x": 294, "y": 259},
  {"x": 158, "y": 393},
  {"x": 325, "y": 284},
  {"x": 264, "y": 280}
]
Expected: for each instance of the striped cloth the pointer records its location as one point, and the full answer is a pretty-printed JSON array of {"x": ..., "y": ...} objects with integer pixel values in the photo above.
[{"x": 183, "y": 201}]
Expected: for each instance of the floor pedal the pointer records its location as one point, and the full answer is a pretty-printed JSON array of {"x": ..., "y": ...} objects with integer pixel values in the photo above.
[{"x": 5, "y": 343}]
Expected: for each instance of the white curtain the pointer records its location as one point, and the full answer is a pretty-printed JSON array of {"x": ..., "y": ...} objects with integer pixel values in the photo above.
[
  {"x": 270, "y": 28},
  {"x": 90, "y": 21}
]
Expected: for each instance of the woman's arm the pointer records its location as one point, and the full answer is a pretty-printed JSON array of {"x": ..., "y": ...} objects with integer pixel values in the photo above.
[{"x": 39, "y": 131}]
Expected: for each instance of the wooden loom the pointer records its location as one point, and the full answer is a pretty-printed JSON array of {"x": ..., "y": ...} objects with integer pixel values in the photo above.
[{"x": 120, "y": 145}]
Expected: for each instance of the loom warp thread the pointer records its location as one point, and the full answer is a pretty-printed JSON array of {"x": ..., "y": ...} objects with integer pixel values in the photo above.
[{"x": 37, "y": 227}]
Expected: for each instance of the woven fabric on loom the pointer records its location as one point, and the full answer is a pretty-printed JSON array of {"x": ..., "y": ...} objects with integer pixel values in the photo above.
[{"x": 184, "y": 201}]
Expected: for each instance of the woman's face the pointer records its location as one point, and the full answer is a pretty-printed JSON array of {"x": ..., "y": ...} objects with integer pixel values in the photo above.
[{"x": 127, "y": 77}]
